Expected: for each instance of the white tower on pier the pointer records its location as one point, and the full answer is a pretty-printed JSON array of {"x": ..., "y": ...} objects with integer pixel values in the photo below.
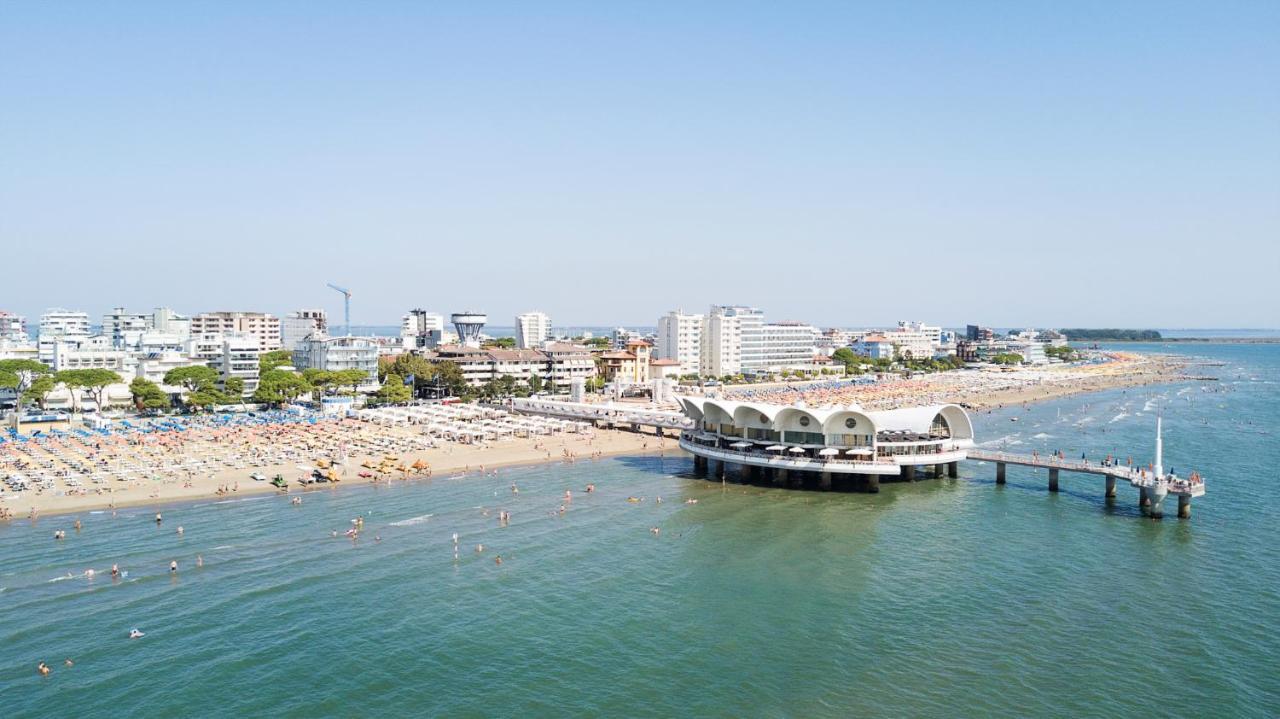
[{"x": 1158, "y": 469}]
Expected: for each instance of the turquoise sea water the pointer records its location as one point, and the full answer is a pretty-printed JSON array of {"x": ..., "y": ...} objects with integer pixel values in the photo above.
[{"x": 939, "y": 598}]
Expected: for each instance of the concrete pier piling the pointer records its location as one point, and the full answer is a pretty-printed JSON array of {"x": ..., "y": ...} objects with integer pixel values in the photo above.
[
  {"x": 909, "y": 472},
  {"x": 1144, "y": 500},
  {"x": 953, "y": 469},
  {"x": 824, "y": 481},
  {"x": 1111, "y": 487},
  {"x": 1184, "y": 507},
  {"x": 780, "y": 476},
  {"x": 873, "y": 483},
  {"x": 720, "y": 470},
  {"x": 1000, "y": 470},
  {"x": 1053, "y": 479},
  {"x": 699, "y": 465}
]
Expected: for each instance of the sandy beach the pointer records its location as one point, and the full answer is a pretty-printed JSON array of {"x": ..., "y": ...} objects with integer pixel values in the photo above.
[
  {"x": 448, "y": 459},
  {"x": 152, "y": 469}
]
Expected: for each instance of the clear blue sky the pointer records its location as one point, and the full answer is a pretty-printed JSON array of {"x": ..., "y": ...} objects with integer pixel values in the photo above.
[{"x": 1021, "y": 163}]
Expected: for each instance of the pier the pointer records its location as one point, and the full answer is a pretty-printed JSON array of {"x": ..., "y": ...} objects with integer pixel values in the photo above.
[{"x": 1153, "y": 484}]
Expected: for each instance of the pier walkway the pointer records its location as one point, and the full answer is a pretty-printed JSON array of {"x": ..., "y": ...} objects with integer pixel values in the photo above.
[{"x": 1153, "y": 486}]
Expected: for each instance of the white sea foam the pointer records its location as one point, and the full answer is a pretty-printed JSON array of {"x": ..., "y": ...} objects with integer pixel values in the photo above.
[
  {"x": 1118, "y": 417},
  {"x": 1150, "y": 406},
  {"x": 412, "y": 521},
  {"x": 1041, "y": 435}
]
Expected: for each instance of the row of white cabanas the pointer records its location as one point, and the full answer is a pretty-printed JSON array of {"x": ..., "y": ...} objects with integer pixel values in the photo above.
[{"x": 468, "y": 423}]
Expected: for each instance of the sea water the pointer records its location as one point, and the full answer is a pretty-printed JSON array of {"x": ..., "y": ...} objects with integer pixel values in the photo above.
[{"x": 937, "y": 598}]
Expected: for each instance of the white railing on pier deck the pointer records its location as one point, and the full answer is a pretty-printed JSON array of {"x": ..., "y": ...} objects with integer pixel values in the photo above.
[{"x": 1135, "y": 476}]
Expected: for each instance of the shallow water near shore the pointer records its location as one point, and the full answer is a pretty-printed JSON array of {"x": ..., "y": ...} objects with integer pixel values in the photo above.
[{"x": 936, "y": 598}]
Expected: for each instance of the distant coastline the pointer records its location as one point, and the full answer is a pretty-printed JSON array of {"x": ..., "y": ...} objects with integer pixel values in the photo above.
[{"x": 1200, "y": 340}]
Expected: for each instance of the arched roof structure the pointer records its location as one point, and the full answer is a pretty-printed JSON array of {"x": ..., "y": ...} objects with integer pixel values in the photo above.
[{"x": 918, "y": 420}]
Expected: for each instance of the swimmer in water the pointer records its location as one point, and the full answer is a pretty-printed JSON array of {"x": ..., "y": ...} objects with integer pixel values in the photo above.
[
  {"x": 455, "y": 539},
  {"x": 199, "y": 560},
  {"x": 655, "y": 530},
  {"x": 158, "y": 518},
  {"x": 68, "y": 662},
  {"x": 77, "y": 525},
  {"x": 497, "y": 559},
  {"x": 479, "y": 548},
  {"x": 135, "y": 634},
  {"x": 591, "y": 488},
  {"x": 43, "y": 669},
  {"x": 173, "y": 566},
  {"x": 115, "y": 570},
  {"x": 179, "y": 530}
]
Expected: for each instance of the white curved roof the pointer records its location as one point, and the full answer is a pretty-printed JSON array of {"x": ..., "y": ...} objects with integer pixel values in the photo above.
[{"x": 909, "y": 419}]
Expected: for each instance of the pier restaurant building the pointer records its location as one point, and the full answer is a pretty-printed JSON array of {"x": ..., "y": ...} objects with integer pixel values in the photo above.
[{"x": 829, "y": 443}]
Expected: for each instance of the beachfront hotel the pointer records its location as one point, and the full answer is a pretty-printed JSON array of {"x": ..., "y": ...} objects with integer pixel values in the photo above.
[{"x": 848, "y": 445}]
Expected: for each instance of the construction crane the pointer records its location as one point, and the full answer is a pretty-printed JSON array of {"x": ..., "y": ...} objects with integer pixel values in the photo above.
[{"x": 346, "y": 306}]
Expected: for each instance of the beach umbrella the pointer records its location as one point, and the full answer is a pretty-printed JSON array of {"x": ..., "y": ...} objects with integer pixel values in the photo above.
[
  {"x": 740, "y": 445},
  {"x": 796, "y": 450},
  {"x": 774, "y": 448},
  {"x": 829, "y": 451}
]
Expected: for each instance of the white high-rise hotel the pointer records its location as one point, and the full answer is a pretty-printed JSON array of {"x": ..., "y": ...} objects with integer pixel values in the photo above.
[
  {"x": 532, "y": 329},
  {"x": 680, "y": 339},
  {"x": 733, "y": 339}
]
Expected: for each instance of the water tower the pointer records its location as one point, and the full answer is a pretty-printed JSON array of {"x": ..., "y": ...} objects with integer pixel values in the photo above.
[{"x": 469, "y": 325}]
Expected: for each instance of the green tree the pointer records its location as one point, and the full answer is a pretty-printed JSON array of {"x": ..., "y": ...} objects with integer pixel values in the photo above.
[
  {"x": 352, "y": 378},
  {"x": 93, "y": 380},
  {"x": 19, "y": 374},
  {"x": 205, "y": 398},
  {"x": 422, "y": 370},
  {"x": 279, "y": 386},
  {"x": 39, "y": 389},
  {"x": 451, "y": 377},
  {"x": 394, "y": 390},
  {"x": 195, "y": 378},
  {"x": 273, "y": 359},
  {"x": 1007, "y": 358},
  {"x": 504, "y": 343},
  {"x": 147, "y": 394},
  {"x": 318, "y": 380},
  {"x": 535, "y": 383},
  {"x": 200, "y": 383},
  {"x": 234, "y": 387}
]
